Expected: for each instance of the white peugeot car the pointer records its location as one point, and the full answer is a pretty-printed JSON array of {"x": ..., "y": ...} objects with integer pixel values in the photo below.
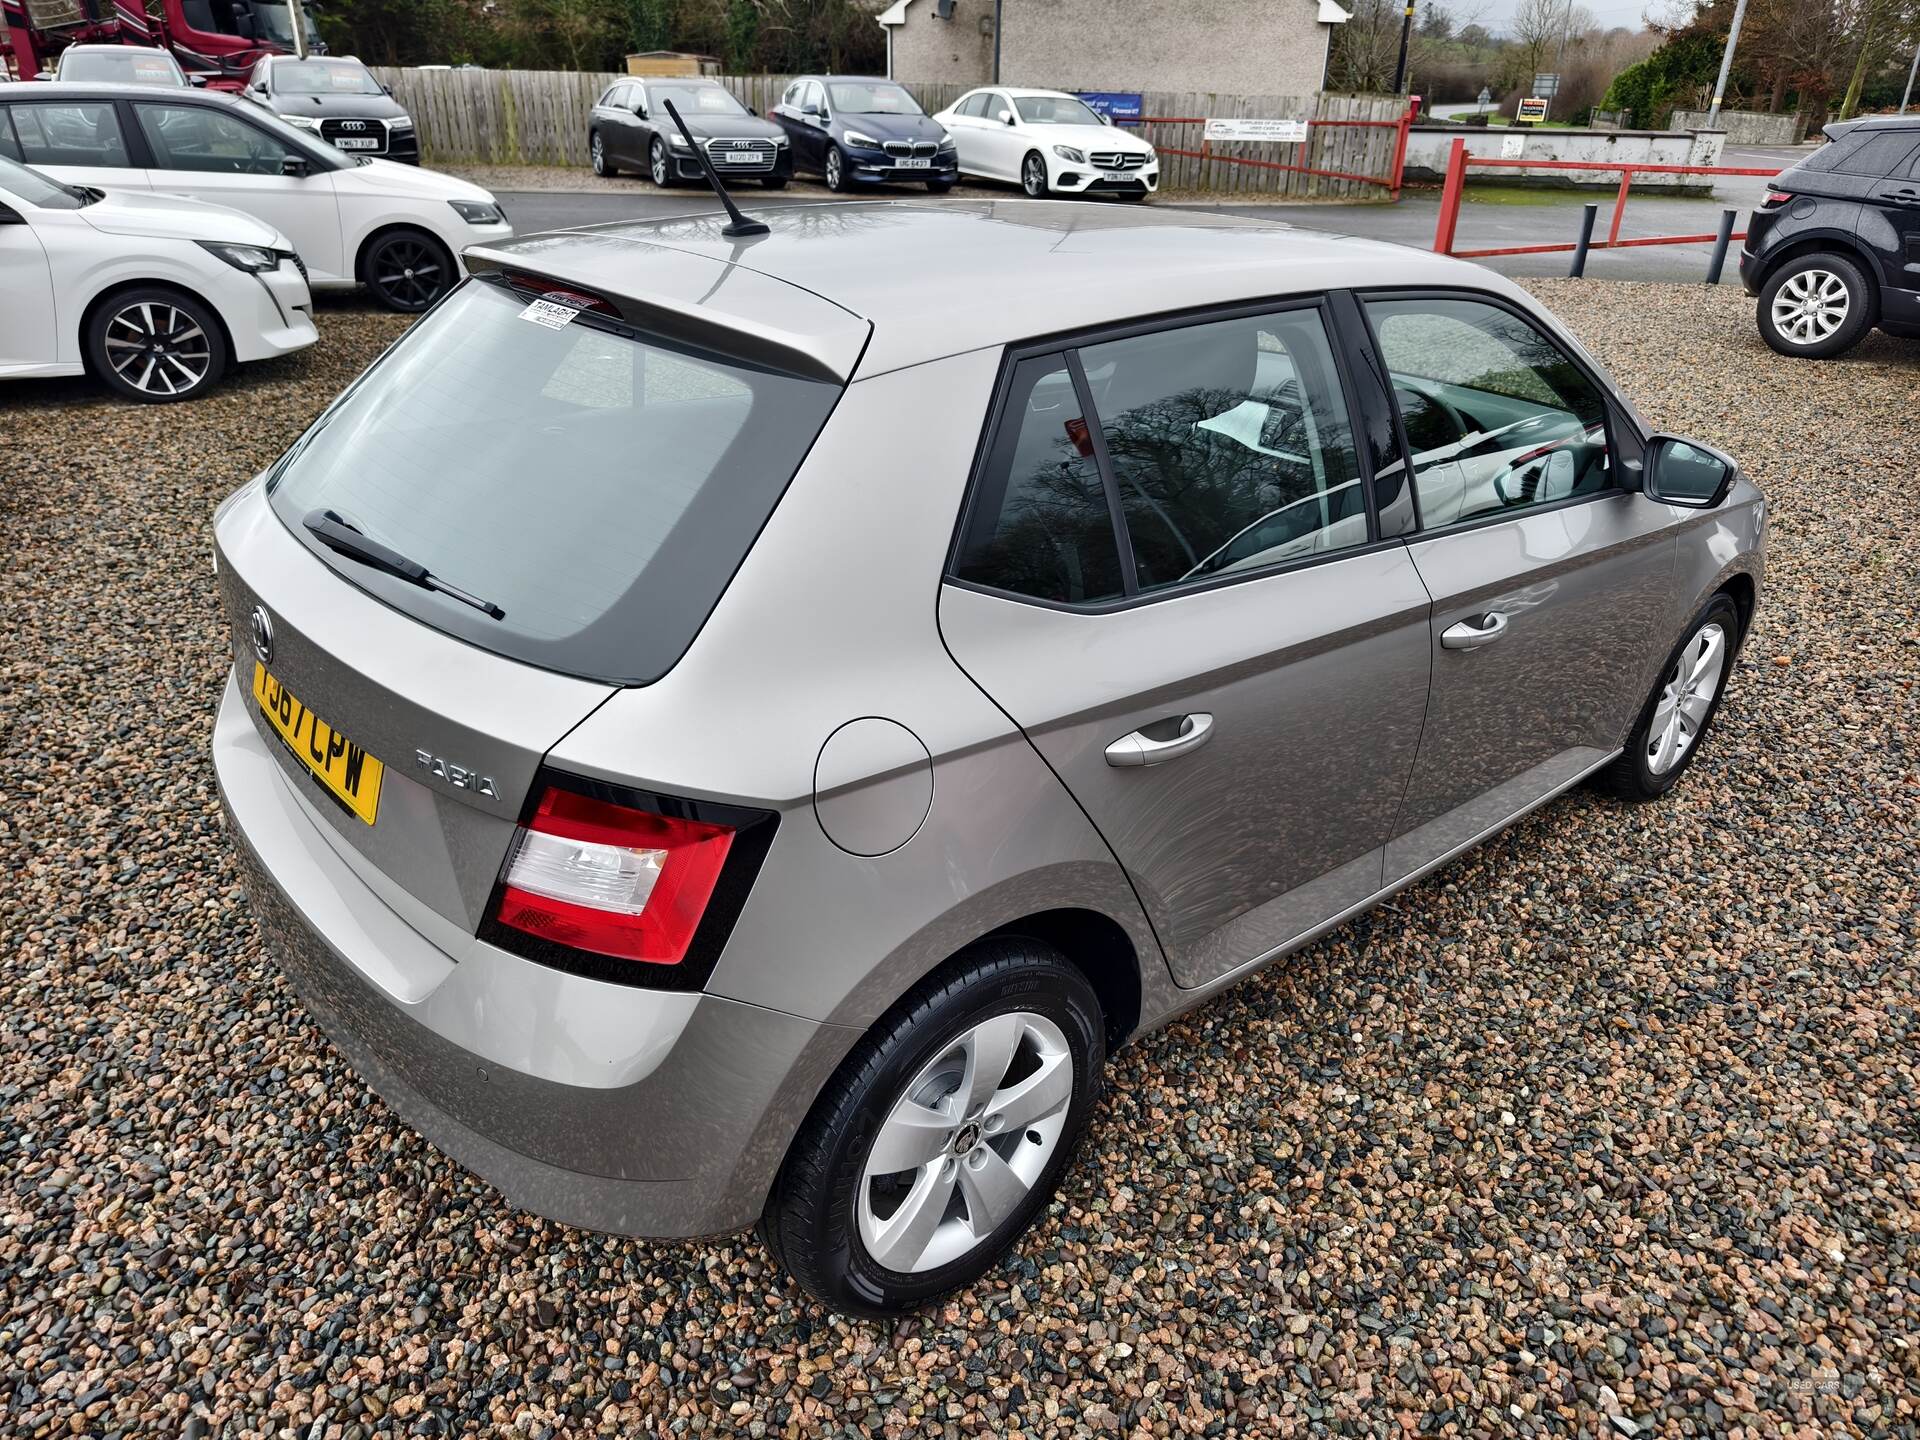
[
  {"x": 152, "y": 296},
  {"x": 1048, "y": 141},
  {"x": 397, "y": 229}
]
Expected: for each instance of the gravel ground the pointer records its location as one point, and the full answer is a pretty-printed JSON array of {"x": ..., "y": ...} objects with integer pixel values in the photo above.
[{"x": 1608, "y": 1128}]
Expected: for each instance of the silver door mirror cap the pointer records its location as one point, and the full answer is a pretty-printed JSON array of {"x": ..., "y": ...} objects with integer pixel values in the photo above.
[{"x": 1678, "y": 470}]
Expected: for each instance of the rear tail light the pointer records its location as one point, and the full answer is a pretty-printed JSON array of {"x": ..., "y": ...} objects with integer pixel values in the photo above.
[
  {"x": 593, "y": 875},
  {"x": 1774, "y": 199}
]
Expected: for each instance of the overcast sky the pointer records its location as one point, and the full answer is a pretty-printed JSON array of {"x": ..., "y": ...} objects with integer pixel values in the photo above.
[{"x": 1494, "y": 14}]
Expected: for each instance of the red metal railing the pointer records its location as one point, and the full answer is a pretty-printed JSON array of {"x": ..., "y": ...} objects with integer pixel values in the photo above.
[
  {"x": 1458, "y": 160},
  {"x": 1390, "y": 182}
]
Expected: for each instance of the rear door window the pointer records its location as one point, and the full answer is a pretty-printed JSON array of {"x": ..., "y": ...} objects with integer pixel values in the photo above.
[
  {"x": 1230, "y": 445},
  {"x": 78, "y": 133},
  {"x": 598, "y": 484}
]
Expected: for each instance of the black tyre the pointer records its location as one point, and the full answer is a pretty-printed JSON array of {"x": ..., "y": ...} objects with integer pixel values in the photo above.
[
  {"x": 407, "y": 270},
  {"x": 1033, "y": 176},
  {"x": 944, "y": 1133},
  {"x": 835, "y": 168},
  {"x": 156, "y": 345},
  {"x": 660, "y": 164},
  {"x": 597, "y": 149},
  {"x": 773, "y": 182},
  {"x": 1678, "y": 713},
  {"x": 939, "y": 187},
  {"x": 1816, "y": 306}
]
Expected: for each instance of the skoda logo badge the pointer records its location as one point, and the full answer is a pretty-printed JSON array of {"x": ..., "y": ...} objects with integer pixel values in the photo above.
[{"x": 262, "y": 627}]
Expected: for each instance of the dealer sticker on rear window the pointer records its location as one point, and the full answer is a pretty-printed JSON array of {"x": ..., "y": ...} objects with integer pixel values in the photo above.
[{"x": 545, "y": 312}]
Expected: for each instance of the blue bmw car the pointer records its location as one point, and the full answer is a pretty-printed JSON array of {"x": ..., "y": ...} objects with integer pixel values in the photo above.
[{"x": 861, "y": 130}]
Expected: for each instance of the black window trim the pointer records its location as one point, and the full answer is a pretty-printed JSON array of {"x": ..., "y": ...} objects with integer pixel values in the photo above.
[
  {"x": 1067, "y": 345},
  {"x": 1620, "y": 420}
]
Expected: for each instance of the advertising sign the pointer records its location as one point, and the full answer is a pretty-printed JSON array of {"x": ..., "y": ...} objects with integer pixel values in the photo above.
[
  {"x": 1277, "y": 132},
  {"x": 1532, "y": 110},
  {"x": 1119, "y": 106}
]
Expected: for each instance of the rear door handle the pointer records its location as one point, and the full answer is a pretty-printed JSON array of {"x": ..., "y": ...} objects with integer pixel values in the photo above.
[
  {"x": 1139, "y": 749},
  {"x": 1468, "y": 636}
]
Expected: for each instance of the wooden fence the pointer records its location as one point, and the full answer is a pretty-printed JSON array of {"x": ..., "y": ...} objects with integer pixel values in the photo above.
[{"x": 539, "y": 117}]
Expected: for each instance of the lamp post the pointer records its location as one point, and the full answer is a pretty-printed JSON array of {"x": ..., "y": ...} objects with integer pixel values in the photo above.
[
  {"x": 1726, "y": 63},
  {"x": 1406, "y": 34},
  {"x": 996, "y": 41}
]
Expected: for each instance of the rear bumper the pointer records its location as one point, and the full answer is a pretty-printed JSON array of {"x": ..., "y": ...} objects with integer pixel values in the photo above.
[{"x": 635, "y": 1111}]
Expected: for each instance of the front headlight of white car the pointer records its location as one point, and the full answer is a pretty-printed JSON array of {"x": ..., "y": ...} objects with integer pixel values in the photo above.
[
  {"x": 479, "y": 212},
  {"x": 254, "y": 259},
  {"x": 1067, "y": 152}
]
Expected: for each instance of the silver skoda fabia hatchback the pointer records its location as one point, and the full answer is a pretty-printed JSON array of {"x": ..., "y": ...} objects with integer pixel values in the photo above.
[{"x": 733, "y": 732}]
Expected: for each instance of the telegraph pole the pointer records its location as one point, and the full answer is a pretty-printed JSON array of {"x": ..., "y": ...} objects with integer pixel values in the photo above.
[
  {"x": 1726, "y": 63},
  {"x": 996, "y": 42},
  {"x": 1907, "y": 94},
  {"x": 1406, "y": 33}
]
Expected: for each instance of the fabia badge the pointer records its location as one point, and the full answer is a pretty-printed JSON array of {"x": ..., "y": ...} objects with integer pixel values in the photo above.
[{"x": 456, "y": 775}]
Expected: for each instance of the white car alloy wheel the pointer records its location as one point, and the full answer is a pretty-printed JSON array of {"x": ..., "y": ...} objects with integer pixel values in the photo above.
[
  {"x": 963, "y": 1145},
  {"x": 1686, "y": 699},
  {"x": 1033, "y": 176},
  {"x": 159, "y": 349},
  {"x": 1810, "y": 306}
]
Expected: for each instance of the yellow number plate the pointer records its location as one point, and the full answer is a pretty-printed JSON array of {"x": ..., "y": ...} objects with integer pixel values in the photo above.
[{"x": 339, "y": 764}]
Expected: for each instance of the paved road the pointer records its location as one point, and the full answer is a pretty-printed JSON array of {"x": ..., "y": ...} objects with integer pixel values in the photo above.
[{"x": 1507, "y": 216}]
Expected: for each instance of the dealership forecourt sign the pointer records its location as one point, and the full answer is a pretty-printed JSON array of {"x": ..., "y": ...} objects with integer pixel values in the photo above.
[{"x": 1278, "y": 132}]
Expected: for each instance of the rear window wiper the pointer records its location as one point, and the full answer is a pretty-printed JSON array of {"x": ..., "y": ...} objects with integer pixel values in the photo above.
[{"x": 338, "y": 533}]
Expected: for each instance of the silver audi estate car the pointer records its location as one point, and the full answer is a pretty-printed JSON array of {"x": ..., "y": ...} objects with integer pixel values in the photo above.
[{"x": 734, "y": 731}]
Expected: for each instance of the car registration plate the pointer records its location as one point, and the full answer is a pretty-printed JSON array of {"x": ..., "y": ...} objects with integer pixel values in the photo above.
[
  {"x": 362, "y": 142},
  {"x": 742, "y": 157},
  {"x": 1118, "y": 174},
  {"x": 920, "y": 162},
  {"x": 350, "y": 774}
]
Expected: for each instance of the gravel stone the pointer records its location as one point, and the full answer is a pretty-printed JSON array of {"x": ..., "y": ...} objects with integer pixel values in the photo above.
[{"x": 1622, "y": 1103}]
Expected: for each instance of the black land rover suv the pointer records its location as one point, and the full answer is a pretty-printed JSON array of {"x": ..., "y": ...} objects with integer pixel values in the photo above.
[{"x": 1834, "y": 249}]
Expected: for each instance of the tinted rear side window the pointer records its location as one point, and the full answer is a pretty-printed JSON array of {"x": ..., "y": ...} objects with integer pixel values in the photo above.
[
  {"x": 599, "y": 485},
  {"x": 1863, "y": 152},
  {"x": 1040, "y": 524}
]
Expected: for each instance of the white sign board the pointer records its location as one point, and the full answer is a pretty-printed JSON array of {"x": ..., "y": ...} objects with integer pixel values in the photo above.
[{"x": 1277, "y": 132}]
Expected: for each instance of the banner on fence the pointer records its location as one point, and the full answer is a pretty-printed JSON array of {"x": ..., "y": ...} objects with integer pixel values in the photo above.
[
  {"x": 1277, "y": 132},
  {"x": 1120, "y": 106}
]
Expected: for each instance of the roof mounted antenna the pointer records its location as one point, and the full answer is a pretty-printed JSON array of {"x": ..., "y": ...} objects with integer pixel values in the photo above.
[{"x": 740, "y": 226}]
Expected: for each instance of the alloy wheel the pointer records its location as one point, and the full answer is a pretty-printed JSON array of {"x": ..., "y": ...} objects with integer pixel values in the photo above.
[
  {"x": 599, "y": 155},
  {"x": 964, "y": 1143},
  {"x": 1810, "y": 306},
  {"x": 1034, "y": 176},
  {"x": 158, "y": 349},
  {"x": 1686, "y": 699},
  {"x": 836, "y": 176},
  {"x": 408, "y": 272},
  {"x": 658, "y": 157}
]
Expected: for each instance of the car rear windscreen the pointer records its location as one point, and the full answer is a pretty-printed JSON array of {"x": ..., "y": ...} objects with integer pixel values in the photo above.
[{"x": 596, "y": 484}]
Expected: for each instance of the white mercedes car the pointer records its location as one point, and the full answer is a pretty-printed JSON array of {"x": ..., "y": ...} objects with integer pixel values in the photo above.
[
  {"x": 397, "y": 229},
  {"x": 1048, "y": 141},
  {"x": 154, "y": 297}
]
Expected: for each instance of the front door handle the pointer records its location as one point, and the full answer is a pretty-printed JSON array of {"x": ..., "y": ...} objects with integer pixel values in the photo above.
[
  {"x": 1468, "y": 636},
  {"x": 1139, "y": 749}
]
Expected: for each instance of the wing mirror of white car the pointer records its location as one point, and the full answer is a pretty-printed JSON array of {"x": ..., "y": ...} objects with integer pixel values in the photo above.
[
  {"x": 1006, "y": 117},
  {"x": 1679, "y": 471},
  {"x": 296, "y": 166},
  {"x": 11, "y": 216}
]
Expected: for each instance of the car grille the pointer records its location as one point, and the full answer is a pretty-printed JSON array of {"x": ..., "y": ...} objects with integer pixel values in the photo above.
[
  {"x": 1116, "y": 160},
  {"x": 761, "y": 150},
  {"x": 334, "y": 130},
  {"x": 911, "y": 147}
]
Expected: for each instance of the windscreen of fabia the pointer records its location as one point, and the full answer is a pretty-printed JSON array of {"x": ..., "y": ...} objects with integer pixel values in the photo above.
[{"x": 581, "y": 491}]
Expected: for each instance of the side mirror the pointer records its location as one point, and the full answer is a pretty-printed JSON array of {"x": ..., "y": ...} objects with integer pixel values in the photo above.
[
  {"x": 1006, "y": 117},
  {"x": 810, "y": 109},
  {"x": 639, "y": 111},
  {"x": 297, "y": 166},
  {"x": 1678, "y": 471},
  {"x": 11, "y": 216},
  {"x": 199, "y": 82},
  {"x": 386, "y": 90}
]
